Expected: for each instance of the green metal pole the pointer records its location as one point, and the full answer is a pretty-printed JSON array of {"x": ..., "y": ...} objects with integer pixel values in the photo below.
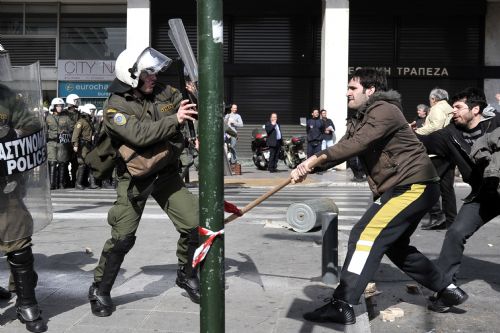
[{"x": 211, "y": 107}]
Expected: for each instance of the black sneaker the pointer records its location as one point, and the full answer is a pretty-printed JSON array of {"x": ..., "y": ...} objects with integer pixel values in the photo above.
[
  {"x": 335, "y": 311},
  {"x": 435, "y": 223},
  {"x": 447, "y": 298}
]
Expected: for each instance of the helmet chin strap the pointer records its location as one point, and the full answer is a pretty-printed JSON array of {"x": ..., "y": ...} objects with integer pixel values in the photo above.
[{"x": 132, "y": 71}]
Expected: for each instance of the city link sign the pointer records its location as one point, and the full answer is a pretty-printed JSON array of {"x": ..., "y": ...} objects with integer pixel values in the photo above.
[
  {"x": 85, "y": 70},
  {"x": 401, "y": 71}
]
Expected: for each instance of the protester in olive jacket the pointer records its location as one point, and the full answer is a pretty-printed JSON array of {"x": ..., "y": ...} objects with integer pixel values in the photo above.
[
  {"x": 405, "y": 185},
  {"x": 141, "y": 113}
]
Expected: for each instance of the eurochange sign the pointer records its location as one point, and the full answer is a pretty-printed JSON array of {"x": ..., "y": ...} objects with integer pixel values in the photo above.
[{"x": 94, "y": 89}]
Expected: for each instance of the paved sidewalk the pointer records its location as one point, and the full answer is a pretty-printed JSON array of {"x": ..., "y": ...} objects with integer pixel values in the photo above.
[{"x": 272, "y": 278}]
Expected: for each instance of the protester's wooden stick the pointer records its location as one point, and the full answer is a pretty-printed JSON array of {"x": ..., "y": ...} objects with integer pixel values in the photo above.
[{"x": 272, "y": 191}]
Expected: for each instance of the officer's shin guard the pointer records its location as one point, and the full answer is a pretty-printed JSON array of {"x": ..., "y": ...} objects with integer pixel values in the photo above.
[
  {"x": 101, "y": 303},
  {"x": 187, "y": 276},
  {"x": 25, "y": 279},
  {"x": 80, "y": 175},
  {"x": 53, "y": 175}
]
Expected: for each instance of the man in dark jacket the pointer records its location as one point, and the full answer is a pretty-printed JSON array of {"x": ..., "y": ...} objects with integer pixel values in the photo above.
[
  {"x": 314, "y": 129},
  {"x": 470, "y": 122},
  {"x": 274, "y": 141},
  {"x": 405, "y": 185}
]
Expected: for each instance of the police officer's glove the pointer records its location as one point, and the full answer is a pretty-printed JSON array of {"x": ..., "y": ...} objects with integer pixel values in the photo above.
[{"x": 75, "y": 149}]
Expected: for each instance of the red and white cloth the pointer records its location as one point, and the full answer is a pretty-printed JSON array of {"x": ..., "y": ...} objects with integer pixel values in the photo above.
[{"x": 203, "y": 249}]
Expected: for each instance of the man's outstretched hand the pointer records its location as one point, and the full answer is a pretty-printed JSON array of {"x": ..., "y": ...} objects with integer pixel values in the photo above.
[{"x": 299, "y": 174}]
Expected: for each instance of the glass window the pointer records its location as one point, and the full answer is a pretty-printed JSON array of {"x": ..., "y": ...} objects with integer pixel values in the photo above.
[
  {"x": 11, "y": 19},
  {"x": 41, "y": 20},
  {"x": 92, "y": 32}
]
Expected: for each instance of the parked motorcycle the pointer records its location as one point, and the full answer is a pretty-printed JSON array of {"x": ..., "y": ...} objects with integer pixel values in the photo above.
[
  {"x": 260, "y": 149},
  {"x": 229, "y": 150},
  {"x": 294, "y": 151}
]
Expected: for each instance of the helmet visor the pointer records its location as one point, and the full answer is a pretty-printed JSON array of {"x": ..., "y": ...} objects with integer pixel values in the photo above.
[
  {"x": 152, "y": 61},
  {"x": 5, "y": 67}
]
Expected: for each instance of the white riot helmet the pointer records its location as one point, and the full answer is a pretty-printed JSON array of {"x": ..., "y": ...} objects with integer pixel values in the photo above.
[
  {"x": 5, "y": 66},
  {"x": 73, "y": 99},
  {"x": 56, "y": 101},
  {"x": 85, "y": 109},
  {"x": 132, "y": 62},
  {"x": 91, "y": 107}
]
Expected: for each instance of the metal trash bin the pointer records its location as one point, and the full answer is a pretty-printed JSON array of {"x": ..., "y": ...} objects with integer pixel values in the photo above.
[{"x": 305, "y": 216}]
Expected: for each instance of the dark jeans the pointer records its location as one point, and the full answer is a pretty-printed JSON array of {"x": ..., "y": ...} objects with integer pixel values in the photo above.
[
  {"x": 313, "y": 147},
  {"x": 449, "y": 201},
  {"x": 274, "y": 157},
  {"x": 470, "y": 218}
]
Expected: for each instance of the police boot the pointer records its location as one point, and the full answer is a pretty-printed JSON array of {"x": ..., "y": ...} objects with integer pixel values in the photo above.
[
  {"x": 187, "y": 276},
  {"x": 93, "y": 184},
  {"x": 62, "y": 169},
  {"x": 80, "y": 174},
  {"x": 107, "y": 184},
  {"x": 5, "y": 294},
  {"x": 25, "y": 278},
  {"x": 101, "y": 303},
  {"x": 53, "y": 175}
]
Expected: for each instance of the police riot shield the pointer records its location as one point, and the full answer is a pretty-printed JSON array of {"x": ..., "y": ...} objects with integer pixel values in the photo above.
[{"x": 25, "y": 205}]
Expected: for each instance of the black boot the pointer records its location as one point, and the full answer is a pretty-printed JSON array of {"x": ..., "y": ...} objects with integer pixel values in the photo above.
[
  {"x": 80, "y": 174},
  {"x": 106, "y": 184},
  {"x": 25, "y": 278},
  {"x": 336, "y": 311},
  {"x": 62, "y": 169},
  {"x": 187, "y": 276},
  {"x": 53, "y": 175},
  {"x": 101, "y": 303},
  {"x": 5, "y": 294},
  {"x": 93, "y": 184}
]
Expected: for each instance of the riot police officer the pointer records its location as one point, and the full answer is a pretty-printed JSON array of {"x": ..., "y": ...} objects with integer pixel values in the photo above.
[
  {"x": 82, "y": 143},
  {"x": 59, "y": 151},
  {"x": 16, "y": 223},
  {"x": 141, "y": 112},
  {"x": 73, "y": 104}
]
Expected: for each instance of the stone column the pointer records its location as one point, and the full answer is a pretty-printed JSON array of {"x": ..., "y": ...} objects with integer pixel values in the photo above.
[
  {"x": 138, "y": 23},
  {"x": 335, "y": 62},
  {"x": 492, "y": 50}
]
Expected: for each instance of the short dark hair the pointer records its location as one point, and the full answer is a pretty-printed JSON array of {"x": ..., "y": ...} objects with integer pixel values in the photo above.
[
  {"x": 371, "y": 77},
  {"x": 472, "y": 97}
]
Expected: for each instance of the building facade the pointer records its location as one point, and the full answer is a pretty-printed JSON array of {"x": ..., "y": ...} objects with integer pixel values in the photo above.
[{"x": 280, "y": 56}]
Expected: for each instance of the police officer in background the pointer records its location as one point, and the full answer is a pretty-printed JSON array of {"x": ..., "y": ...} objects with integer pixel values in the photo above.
[
  {"x": 59, "y": 151},
  {"x": 73, "y": 104},
  {"x": 93, "y": 110},
  {"x": 16, "y": 223},
  {"x": 141, "y": 112},
  {"x": 82, "y": 143}
]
